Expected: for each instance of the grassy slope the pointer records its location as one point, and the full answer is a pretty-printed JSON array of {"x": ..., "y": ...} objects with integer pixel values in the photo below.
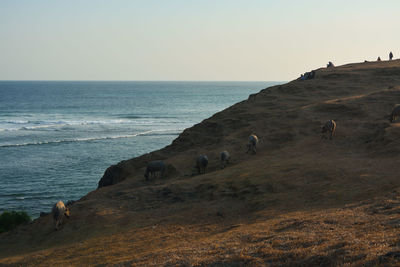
[{"x": 300, "y": 200}]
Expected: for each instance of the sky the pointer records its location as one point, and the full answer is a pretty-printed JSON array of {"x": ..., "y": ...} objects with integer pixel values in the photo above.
[{"x": 207, "y": 40}]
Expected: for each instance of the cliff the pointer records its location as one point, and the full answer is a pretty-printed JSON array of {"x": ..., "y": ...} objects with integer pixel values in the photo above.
[{"x": 299, "y": 201}]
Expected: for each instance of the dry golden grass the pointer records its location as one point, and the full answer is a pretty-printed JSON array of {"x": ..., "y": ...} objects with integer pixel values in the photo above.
[{"x": 300, "y": 201}]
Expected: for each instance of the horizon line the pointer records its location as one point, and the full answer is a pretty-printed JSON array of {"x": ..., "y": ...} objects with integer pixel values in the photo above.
[{"x": 140, "y": 81}]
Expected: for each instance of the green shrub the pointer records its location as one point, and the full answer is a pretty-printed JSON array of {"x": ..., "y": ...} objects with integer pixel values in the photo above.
[{"x": 10, "y": 220}]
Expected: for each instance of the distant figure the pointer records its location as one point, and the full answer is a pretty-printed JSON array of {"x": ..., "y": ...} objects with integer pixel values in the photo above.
[
  {"x": 153, "y": 167},
  {"x": 201, "y": 164},
  {"x": 390, "y": 56},
  {"x": 59, "y": 211},
  {"x": 395, "y": 113},
  {"x": 252, "y": 145},
  {"x": 330, "y": 126},
  {"x": 379, "y": 59},
  {"x": 307, "y": 76},
  {"x": 330, "y": 65}
]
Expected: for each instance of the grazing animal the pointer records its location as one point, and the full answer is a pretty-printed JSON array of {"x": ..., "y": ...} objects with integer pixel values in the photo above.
[
  {"x": 153, "y": 167},
  {"x": 201, "y": 163},
  {"x": 330, "y": 126},
  {"x": 59, "y": 211},
  {"x": 395, "y": 113},
  {"x": 225, "y": 157},
  {"x": 252, "y": 145}
]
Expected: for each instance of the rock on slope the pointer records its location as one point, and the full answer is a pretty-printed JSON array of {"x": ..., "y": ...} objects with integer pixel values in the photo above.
[{"x": 299, "y": 201}]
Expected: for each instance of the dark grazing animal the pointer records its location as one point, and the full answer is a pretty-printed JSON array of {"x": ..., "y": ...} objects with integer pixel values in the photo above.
[
  {"x": 329, "y": 127},
  {"x": 395, "y": 113},
  {"x": 225, "y": 157},
  {"x": 252, "y": 145},
  {"x": 153, "y": 167},
  {"x": 201, "y": 163},
  {"x": 59, "y": 211}
]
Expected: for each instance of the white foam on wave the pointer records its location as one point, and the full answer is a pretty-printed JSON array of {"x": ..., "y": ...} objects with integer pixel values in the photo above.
[
  {"x": 147, "y": 133},
  {"x": 20, "y": 125},
  {"x": 15, "y": 122}
]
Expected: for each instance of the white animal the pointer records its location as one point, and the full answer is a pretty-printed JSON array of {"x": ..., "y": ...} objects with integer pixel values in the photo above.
[{"x": 59, "y": 211}]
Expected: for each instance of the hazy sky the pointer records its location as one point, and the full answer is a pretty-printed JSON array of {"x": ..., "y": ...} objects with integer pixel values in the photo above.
[{"x": 190, "y": 40}]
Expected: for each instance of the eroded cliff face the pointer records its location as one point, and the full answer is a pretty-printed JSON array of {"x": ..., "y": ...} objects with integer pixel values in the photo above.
[{"x": 299, "y": 200}]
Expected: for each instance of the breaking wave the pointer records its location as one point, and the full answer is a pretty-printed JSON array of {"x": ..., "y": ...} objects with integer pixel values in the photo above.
[
  {"x": 21, "y": 125},
  {"x": 88, "y": 139}
]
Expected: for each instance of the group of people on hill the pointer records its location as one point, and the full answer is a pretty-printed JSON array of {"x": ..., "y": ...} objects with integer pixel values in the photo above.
[
  {"x": 307, "y": 76},
  {"x": 311, "y": 74},
  {"x": 390, "y": 57}
]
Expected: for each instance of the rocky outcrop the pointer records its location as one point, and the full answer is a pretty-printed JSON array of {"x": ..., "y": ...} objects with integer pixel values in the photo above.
[{"x": 113, "y": 175}]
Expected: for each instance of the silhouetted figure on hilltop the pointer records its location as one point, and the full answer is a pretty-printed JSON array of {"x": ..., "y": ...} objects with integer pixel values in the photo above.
[
  {"x": 307, "y": 76},
  {"x": 330, "y": 65},
  {"x": 379, "y": 59},
  {"x": 390, "y": 56}
]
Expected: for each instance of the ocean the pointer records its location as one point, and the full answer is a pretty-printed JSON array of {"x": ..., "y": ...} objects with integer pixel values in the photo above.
[{"x": 58, "y": 138}]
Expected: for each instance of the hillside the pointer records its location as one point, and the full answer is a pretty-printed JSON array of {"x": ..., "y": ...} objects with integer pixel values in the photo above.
[{"x": 299, "y": 201}]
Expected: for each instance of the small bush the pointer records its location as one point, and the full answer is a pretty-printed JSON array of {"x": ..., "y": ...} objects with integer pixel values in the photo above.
[{"x": 10, "y": 220}]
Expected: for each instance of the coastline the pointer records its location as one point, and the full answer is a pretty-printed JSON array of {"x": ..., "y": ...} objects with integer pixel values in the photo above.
[
  {"x": 59, "y": 137},
  {"x": 299, "y": 200}
]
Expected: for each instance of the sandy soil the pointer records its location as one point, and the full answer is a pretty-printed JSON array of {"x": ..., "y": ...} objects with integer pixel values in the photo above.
[{"x": 299, "y": 201}]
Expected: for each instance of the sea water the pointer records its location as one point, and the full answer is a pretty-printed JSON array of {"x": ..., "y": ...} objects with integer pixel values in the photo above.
[{"x": 58, "y": 138}]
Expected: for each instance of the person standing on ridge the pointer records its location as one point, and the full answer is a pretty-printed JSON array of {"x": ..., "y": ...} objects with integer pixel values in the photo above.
[{"x": 390, "y": 56}]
